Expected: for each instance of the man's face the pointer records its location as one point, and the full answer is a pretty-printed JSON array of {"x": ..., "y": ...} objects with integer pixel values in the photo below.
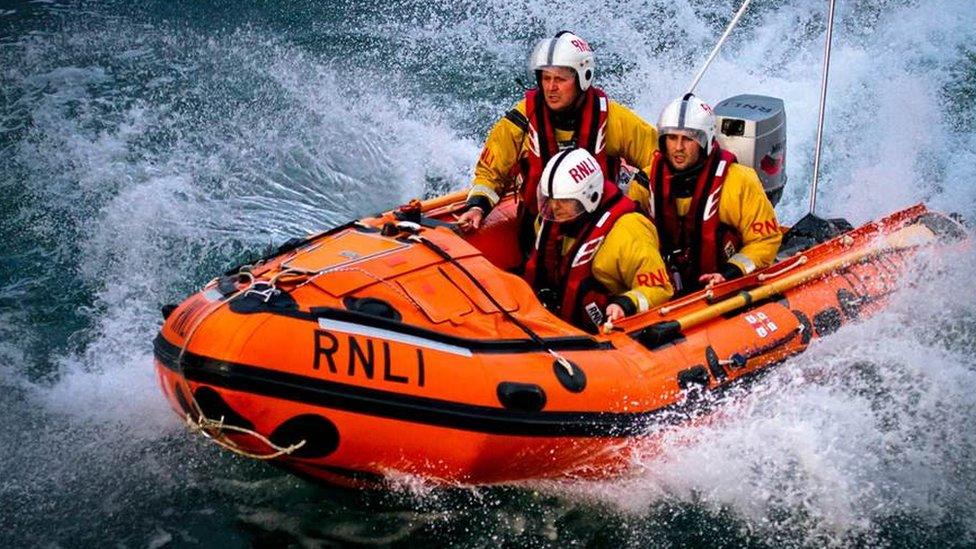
[
  {"x": 561, "y": 210},
  {"x": 683, "y": 151},
  {"x": 559, "y": 87}
]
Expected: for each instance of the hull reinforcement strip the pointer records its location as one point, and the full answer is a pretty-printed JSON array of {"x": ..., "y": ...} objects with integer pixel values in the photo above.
[{"x": 443, "y": 413}]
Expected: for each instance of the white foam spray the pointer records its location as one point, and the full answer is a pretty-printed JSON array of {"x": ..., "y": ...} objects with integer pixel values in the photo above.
[{"x": 156, "y": 154}]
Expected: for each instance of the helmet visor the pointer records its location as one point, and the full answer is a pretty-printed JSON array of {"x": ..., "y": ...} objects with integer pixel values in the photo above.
[
  {"x": 690, "y": 133},
  {"x": 560, "y": 210}
]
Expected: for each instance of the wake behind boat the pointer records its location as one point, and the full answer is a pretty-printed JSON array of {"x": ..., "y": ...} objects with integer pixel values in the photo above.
[{"x": 392, "y": 344}]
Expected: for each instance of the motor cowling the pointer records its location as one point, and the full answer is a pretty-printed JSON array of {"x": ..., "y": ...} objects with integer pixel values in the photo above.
[{"x": 753, "y": 127}]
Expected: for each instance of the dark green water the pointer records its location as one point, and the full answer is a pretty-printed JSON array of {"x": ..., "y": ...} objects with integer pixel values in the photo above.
[{"x": 146, "y": 146}]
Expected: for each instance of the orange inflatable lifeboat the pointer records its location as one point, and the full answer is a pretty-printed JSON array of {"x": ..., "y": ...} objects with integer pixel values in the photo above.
[{"x": 394, "y": 345}]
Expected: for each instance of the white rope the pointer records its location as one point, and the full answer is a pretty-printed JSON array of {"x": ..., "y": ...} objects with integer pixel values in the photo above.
[
  {"x": 563, "y": 361},
  {"x": 204, "y": 425},
  {"x": 802, "y": 260},
  {"x": 709, "y": 294},
  {"x": 375, "y": 277}
]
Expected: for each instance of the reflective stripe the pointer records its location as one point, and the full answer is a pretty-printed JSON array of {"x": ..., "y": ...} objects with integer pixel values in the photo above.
[
  {"x": 744, "y": 262},
  {"x": 534, "y": 141},
  {"x": 601, "y": 137},
  {"x": 603, "y": 219},
  {"x": 552, "y": 48},
  {"x": 350, "y": 328},
  {"x": 485, "y": 191},
  {"x": 642, "y": 302},
  {"x": 720, "y": 169}
]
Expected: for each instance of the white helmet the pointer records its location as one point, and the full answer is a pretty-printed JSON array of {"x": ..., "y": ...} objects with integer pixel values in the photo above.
[
  {"x": 570, "y": 175},
  {"x": 689, "y": 116},
  {"x": 565, "y": 50}
]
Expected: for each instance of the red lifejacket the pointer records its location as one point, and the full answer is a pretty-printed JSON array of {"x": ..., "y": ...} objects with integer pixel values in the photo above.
[
  {"x": 589, "y": 134},
  {"x": 577, "y": 296},
  {"x": 697, "y": 242}
]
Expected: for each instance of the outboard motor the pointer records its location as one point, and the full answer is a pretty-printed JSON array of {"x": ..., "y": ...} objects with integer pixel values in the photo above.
[{"x": 753, "y": 127}]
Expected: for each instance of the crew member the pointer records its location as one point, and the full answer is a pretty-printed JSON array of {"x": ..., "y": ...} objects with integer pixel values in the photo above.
[
  {"x": 713, "y": 217},
  {"x": 596, "y": 257},
  {"x": 564, "y": 111}
]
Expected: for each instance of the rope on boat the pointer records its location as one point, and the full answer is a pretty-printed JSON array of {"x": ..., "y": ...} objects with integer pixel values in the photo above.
[
  {"x": 709, "y": 294},
  {"x": 205, "y": 425},
  {"x": 264, "y": 290},
  {"x": 266, "y": 294},
  {"x": 377, "y": 278},
  {"x": 202, "y": 423},
  {"x": 802, "y": 260},
  {"x": 565, "y": 363}
]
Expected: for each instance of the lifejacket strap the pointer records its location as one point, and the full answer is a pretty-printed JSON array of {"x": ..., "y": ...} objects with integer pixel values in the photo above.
[
  {"x": 519, "y": 119},
  {"x": 641, "y": 178}
]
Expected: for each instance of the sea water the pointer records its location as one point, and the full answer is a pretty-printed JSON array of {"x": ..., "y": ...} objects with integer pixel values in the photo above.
[{"x": 146, "y": 146}]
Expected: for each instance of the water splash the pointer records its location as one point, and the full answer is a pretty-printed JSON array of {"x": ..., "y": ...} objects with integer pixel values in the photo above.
[
  {"x": 856, "y": 440},
  {"x": 141, "y": 158}
]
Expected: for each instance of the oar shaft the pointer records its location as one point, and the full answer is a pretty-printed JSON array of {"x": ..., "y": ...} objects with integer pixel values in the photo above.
[
  {"x": 757, "y": 294},
  {"x": 905, "y": 237}
]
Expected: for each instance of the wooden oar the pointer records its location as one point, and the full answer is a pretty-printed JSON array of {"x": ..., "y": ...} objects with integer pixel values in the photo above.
[{"x": 663, "y": 332}]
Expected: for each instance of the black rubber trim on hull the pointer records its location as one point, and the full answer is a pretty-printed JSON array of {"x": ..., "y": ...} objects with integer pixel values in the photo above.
[{"x": 428, "y": 411}]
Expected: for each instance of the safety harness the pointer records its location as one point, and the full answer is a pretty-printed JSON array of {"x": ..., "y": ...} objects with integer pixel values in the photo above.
[
  {"x": 565, "y": 282},
  {"x": 697, "y": 242},
  {"x": 589, "y": 134}
]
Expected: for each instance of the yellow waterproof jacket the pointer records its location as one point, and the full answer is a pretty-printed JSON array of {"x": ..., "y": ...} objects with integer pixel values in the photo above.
[
  {"x": 628, "y": 137},
  {"x": 629, "y": 264},
  {"x": 744, "y": 207}
]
